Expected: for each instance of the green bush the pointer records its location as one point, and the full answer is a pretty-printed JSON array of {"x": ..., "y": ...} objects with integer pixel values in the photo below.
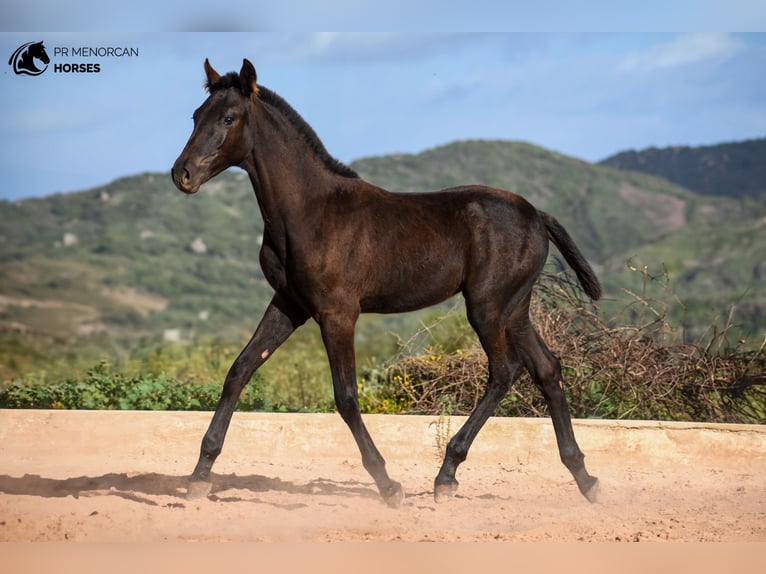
[{"x": 103, "y": 389}]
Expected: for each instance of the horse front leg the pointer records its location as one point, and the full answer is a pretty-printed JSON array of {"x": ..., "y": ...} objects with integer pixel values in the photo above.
[
  {"x": 279, "y": 321},
  {"x": 338, "y": 338}
]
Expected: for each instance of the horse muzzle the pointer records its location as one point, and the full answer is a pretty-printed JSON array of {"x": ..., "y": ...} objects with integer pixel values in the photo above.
[{"x": 183, "y": 179}]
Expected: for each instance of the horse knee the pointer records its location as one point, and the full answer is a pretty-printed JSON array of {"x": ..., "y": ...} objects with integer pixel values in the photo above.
[
  {"x": 236, "y": 380},
  {"x": 348, "y": 406}
]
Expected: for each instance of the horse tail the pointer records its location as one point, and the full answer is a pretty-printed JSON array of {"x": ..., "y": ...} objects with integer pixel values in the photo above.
[{"x": 566, "y": 246}]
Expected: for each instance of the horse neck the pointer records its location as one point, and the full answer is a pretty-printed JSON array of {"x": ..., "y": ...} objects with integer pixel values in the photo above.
[{"x": 287, "y": 176}]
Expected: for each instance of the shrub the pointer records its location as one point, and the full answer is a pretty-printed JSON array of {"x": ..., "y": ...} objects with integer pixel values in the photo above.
[
  {"x": 102, "y": 388},
  {"x": 610, "y": 370}
]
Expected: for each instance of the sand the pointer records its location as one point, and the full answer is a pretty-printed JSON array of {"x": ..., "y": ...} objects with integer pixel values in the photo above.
[{"x": 122, "y": 477}]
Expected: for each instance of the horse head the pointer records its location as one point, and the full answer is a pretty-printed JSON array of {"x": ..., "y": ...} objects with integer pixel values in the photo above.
[
  {"x": 23, "y": 59},
  {"x": 219, "y": 139},
  {"x": 37, "y": 51}
]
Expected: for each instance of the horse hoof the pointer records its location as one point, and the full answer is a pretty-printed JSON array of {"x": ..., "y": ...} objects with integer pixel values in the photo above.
[
  {"x": 395, "y": 495},
  {"x": 592, "y": 492},
  {"x": 198, "y": 490},
  {"x": 445, "y": 491}
]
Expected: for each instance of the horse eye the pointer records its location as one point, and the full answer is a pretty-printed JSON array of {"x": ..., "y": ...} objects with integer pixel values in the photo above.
[{"x": 228, "y": 120}]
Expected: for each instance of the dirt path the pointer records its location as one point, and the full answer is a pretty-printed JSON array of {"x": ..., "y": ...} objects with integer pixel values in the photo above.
[{"x": 121, "y": 476}]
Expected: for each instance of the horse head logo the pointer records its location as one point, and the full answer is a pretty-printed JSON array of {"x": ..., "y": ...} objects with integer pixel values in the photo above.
[{"x": 23, "y": 59}]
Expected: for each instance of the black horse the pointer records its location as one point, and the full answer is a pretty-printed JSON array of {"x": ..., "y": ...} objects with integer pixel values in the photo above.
[
  {"x": 23, "y": 59},
  {"x": 335, "y": 246}
]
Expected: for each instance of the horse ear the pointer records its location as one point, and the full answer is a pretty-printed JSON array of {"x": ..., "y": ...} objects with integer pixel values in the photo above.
[
  {"x": 212, "y": 75},
  {"x": 248, "y": 78}
]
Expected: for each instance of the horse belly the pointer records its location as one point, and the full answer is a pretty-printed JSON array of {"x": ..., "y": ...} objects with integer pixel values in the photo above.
[{"x": 399, "y": 291}]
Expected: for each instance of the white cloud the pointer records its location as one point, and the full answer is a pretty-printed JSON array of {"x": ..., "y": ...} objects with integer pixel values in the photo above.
[{"x": 682, "y": 50}]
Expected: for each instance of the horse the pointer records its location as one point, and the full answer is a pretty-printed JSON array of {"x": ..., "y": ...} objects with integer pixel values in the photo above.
[
  {"x": 23, "y": 59},
  {"x": 335, "y": 246}
]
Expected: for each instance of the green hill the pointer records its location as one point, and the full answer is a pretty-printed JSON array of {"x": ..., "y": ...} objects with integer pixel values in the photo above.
[
  {"x": 134, "y": 259},
  {"x": 734, "y": 169},
  {"x": 135, "y": 262}
]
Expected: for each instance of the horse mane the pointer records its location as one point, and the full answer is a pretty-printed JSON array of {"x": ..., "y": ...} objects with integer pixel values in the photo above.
[{"x": 267, "y": 96}]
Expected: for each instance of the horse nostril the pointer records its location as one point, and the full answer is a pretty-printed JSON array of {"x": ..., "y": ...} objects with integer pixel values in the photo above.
[{"x": 180, "y": 176}]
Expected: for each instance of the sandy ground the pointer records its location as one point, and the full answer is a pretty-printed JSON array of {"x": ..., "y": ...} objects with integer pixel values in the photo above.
[{"x": 121, "y": 476}]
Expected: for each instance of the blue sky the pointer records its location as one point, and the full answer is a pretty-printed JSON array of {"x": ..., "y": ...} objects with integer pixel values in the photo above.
[{"x": 587, "y": 95}]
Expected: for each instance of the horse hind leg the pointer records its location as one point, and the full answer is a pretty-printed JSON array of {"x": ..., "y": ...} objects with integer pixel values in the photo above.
[
  {"x": 504, "y": 368},
  {"x": 545, "y": 370},
  {"x": 498, "y": 384}
]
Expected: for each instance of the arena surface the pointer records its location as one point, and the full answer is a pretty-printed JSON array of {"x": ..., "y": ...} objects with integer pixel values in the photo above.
[{"x": 121, "y": 477}]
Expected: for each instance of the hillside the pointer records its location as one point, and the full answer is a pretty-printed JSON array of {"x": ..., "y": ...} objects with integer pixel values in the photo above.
[
  {"x": 134, "y": 259},
  {"x": 731, "y": 169},
  {"x": 135, "y": 262}
]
